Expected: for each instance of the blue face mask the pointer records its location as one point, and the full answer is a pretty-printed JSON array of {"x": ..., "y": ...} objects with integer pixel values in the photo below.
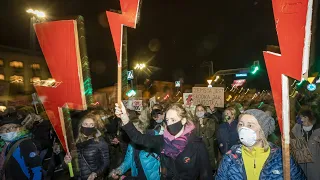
[
  {"x": 9, "y": 137},
  {"x": 298, "y": 119}
]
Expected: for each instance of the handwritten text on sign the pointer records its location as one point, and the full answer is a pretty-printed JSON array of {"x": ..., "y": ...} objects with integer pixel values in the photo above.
[{"x": 208, "y": 96}]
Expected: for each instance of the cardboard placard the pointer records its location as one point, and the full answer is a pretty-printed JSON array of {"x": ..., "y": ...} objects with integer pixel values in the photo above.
[
  {"x": 137, "y": 105},
  {"x": 187, "y": 99},
  {"x": 208, "y": 96},
  {"x": 152, "y": 101}
]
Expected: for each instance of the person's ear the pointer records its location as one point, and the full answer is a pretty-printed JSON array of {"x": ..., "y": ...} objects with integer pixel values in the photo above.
[{"x": 184, "y": 121}]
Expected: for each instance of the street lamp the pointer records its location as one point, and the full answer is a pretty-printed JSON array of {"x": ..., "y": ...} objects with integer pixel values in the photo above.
[
  {"x": 37, "y": 16},
  {"x": 217, "y": 78},
  {"x": 140, "y": 66},
  {"x": 209, "y": 83}
]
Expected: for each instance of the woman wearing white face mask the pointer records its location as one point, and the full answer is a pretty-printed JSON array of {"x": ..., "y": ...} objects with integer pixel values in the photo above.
[
  {"x": 206, "y": 129},
  {"x": 255, "y": 158},
  {"x": 309, "y": 130}
]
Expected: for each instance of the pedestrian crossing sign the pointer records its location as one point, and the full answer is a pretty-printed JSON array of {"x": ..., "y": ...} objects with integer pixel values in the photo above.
[
  {"x": 130, "y": 75},
  {"x": 177, "y": 84}
]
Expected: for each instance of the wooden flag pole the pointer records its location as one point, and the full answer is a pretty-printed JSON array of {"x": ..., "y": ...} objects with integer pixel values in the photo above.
[
  {"x": 286, "y": 127},
  {"x": 119, "y": 88}
]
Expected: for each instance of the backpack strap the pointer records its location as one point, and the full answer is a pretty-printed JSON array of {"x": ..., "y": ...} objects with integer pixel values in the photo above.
[{"x": 9, "y": 154}]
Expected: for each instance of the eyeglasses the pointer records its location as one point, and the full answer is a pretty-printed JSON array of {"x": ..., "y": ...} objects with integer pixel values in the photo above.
[{"x": 9, "y": 129}]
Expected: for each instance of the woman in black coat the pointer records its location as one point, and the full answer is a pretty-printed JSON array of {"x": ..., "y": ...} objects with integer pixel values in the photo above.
[
  {"x": 93, "y": 152},
  {"x": 183, "y": 155}
]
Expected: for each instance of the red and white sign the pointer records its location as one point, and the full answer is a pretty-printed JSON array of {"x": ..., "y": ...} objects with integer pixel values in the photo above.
[{"x": 238, "y": 82}]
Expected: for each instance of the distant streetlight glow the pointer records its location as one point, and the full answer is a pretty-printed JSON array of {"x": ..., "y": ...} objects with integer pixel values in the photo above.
[
  {"x": 217, "y": 78},
  {"x": 39, "y": 14},
  {"x": 140, "y": 66},
  {"x": 209, "y": 83}
]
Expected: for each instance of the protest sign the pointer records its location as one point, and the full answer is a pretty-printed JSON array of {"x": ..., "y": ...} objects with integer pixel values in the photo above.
[
  {"x": 152, "y": 101},
  {"x": 187, "y": 99},
  {"x": 137, "y": 105},
  {"x": 208, "y": 96}
]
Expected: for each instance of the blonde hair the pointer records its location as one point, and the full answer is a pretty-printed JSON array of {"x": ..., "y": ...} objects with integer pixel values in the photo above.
[
  {"x": 232, "y": 110},
  {"x": 97, "y": 124},
  {"x": 182, "y": 112},
  {"x": 101, "y": 116},
  {"x": 265, "y": 143}
]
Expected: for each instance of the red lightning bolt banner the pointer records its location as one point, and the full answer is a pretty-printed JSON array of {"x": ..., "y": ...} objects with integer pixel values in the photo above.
[
  {"x": 128, "y": 17},
  {"x": 64, "y": 48},
  {"x": 293, "y": 23},
  {"x": 60, "y": 45}
]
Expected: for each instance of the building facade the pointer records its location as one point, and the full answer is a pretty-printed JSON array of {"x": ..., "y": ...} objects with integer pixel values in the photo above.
[{"x": 19, "y": 69}]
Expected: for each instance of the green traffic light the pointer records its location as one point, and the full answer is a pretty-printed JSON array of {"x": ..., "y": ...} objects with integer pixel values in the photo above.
[
  {"x": 256, "y": 68},
  {"x": 131, "y": 93},
  {"x": 300, "y": 83}
]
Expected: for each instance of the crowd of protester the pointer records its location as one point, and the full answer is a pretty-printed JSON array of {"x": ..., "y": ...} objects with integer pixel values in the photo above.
[{"x": 166, "y": 141}]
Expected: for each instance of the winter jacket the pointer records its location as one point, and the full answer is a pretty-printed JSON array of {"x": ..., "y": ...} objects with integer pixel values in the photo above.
[
  {"x": 93, "y": 156},
  {"x": 149, "y": 163},
  {"x": 207, "y": 133},
  {"x": 232, "y": 166},
  {"x": 227, "y": 136},
  {"x": 311, "y": 169},
  {"x": 24, "y": 163},
  {"x": 192, "y": 163}
]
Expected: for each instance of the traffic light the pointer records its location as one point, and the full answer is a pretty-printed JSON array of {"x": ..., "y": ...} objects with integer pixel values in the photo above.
[
  {"x": 300, "y": 83},
  {"x": 255, "y": 68},
  {"x": 131, "y": 93}
]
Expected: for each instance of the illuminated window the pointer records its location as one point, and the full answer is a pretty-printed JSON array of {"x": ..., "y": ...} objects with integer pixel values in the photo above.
[
  {"x": 35, "y": 66},
  {"x": 16, "y": 64},
  {"x": 1, "y": 77},
  {"x": 16, "y": 79},
  {"x": 35, "y": 79},
  {"x": 1, "y": 62}
]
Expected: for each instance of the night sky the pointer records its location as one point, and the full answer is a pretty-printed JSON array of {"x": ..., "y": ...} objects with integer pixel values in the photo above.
[{"x": 174, "y": 35}]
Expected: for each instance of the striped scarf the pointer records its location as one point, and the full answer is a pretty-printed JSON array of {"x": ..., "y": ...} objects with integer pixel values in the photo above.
[{"x": 174, "y": 146}]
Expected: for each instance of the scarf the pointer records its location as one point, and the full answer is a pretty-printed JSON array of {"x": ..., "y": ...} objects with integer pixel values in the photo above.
[{"x": 174, "y": 146}]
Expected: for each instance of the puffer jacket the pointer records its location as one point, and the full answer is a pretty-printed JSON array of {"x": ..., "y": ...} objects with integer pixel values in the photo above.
[
  {"x": 149, "y": 163},
  {"x": 232, "y": 166},
  {"x": 93, "y": 157}
]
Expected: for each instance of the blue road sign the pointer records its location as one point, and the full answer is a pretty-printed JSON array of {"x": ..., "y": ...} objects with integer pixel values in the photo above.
[{"x": 130, "y": 75}]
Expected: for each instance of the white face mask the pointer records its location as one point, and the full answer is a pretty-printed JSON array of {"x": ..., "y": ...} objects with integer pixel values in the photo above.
[
  {"x": 307, "y": 128},
  {"x": 10, "y": 136},
  {"x": 247, "y": 136},
  {"x": 159, "y": 121},
  {"x": 200, "y": 114}
]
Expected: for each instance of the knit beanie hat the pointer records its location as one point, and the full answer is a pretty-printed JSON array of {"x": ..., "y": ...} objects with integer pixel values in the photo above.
[{"x": 266, "y": 122}]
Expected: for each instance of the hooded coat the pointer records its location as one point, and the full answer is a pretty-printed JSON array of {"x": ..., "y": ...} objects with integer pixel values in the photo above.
[{"x": 311, "y": 169}]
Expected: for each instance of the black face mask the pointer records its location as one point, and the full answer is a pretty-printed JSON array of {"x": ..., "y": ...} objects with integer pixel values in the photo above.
[
  {"x": 88, "y": 131},
  {"x": 175, "y": 128}
]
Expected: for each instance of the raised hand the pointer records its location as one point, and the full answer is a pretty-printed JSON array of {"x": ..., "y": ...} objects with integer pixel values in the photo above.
[{"x": 121, "y": 112}]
